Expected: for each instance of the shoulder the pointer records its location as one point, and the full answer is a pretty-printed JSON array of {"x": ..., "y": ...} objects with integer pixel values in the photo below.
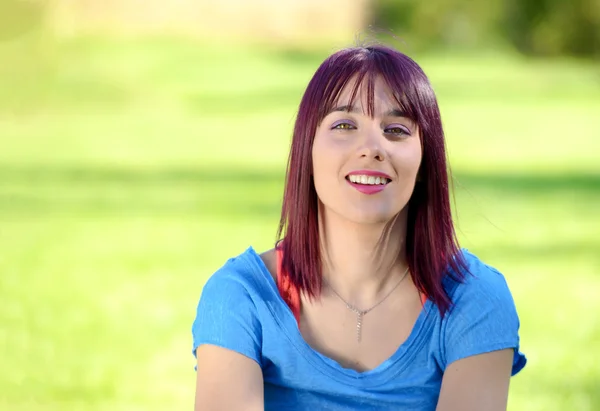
[
  {"x": 482, "y": 298},
  {"x": 242, "y": 274},
  {"x": 481, "y": 282},
  {"x": 269, "y": 259},
  {"x": 228, "y": 313}
]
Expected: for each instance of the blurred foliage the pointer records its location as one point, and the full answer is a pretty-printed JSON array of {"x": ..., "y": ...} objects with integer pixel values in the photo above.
[
  {"x": 553, "y": 27},
  {"x": 18, "y": 17},
  {"x": 27, "y": 53},
  {"x": 534, "y": 27},
  {"x": 439, "y": 23}
]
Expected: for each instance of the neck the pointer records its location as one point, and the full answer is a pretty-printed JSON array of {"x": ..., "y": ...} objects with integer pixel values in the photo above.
[{"x": 361, "y": 261}]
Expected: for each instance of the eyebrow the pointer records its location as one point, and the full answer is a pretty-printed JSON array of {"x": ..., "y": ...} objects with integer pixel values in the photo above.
[
  {"x": 396, "y": 112},
  {"x": 350, "y": 109}
]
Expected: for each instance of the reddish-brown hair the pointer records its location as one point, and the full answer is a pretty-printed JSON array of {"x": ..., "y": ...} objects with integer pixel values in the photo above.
[{"x": 432, "y": 249}]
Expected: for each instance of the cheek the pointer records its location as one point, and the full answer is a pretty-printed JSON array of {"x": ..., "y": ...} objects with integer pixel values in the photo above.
[
  {"x": 323, "y": 157},
  {"x": 408, "y": 159},
  {"x": 317, "y": 159},
  {"x": 417, "y": 158},
  {"x": 326, "y": 164}
]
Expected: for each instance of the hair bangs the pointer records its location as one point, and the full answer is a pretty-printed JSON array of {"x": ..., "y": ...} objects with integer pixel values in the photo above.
[
  {"x": 343, "y": 73},
  {"x": 359, "y": 68},
  {"x": 407, "y": 81}
]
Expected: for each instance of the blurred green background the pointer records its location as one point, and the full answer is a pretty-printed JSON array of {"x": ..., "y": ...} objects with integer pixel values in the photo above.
[{"x": 141, "y": 148}]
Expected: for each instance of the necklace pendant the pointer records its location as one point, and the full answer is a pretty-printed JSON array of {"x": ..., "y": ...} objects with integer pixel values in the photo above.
[
  {"x": 359, "y": 317},
  {"x": 361, "y": 313}
]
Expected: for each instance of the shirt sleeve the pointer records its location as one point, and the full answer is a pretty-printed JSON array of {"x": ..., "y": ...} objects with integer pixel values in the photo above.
[
  {"x": 483, "y": 318},
  {"x": 226, "y": 316}
]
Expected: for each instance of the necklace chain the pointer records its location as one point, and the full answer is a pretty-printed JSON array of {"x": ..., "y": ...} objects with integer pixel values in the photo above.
[{"x": 361, "y": 313}]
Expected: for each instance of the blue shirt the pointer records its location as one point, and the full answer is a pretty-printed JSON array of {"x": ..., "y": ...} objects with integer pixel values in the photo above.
[{"x": 241, "y": 309}]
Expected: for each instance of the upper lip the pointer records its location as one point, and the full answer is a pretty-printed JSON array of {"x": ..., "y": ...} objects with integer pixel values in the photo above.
[{"x": 373, "y": 173}]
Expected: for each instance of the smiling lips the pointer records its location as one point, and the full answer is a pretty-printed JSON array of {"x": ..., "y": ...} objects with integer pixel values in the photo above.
[{"x": 368, "y": 181}]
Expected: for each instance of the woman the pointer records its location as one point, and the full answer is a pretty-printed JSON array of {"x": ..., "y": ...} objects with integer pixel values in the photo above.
[{"x": 367, "y": 302}]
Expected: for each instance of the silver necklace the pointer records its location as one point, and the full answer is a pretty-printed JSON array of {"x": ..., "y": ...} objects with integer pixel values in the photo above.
[{"x": 361, "y": 313}]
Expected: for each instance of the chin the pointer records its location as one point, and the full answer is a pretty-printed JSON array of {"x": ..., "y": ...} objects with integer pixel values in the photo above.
[
  {"x": 359, "y": 215},
  {"x": 371, "y": 218}
]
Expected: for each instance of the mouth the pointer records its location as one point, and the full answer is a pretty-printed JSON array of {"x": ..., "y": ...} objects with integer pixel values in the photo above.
[{"x": 368, "y": 180}]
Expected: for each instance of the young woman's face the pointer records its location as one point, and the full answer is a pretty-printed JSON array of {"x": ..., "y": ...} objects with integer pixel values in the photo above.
[{"x": 365, "y": 168}]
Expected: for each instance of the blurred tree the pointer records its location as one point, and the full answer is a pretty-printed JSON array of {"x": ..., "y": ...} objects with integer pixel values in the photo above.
[
  {"x": 552, "y": 27},
  {"x": 538, "y": 27},
  {"x": 18, "y": 17},
  {"x": 439, "y": 23},
  {"x": 27, "y": 59}
]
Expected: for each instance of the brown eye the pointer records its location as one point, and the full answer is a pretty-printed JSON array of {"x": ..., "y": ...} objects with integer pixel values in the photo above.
[
  {"x": 398, "y": 131},
  {"x": 343, "y": 126}
]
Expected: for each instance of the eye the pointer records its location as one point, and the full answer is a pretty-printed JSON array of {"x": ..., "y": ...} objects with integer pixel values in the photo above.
[
  {"x": 397, "y": 130},
  {"x": 343, "y": 125}
]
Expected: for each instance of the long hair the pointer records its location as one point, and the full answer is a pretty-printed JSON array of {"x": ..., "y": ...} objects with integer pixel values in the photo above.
[{"x": 432, "y": 248}]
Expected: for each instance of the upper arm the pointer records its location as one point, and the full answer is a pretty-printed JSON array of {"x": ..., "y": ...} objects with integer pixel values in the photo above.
[
  {"x": 477, "y": 383},
  {"x": 227, "y": 381}
]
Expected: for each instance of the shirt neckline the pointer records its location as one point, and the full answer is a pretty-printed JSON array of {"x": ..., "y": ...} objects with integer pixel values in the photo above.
[{"x": 391, "y": 367}]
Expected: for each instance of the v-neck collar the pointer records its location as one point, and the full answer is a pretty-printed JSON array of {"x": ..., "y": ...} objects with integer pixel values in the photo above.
[{"x": 390, "y": 368}]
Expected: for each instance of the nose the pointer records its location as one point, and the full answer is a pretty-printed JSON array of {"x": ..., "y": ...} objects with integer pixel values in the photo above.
[{"x": 371, "y": 149}]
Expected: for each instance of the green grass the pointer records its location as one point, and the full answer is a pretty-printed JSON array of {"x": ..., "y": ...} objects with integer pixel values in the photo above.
[{"x": 130, "y": 171}]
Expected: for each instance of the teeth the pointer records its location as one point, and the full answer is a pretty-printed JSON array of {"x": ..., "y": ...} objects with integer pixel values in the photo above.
[{"x": 367, "y": 180}]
